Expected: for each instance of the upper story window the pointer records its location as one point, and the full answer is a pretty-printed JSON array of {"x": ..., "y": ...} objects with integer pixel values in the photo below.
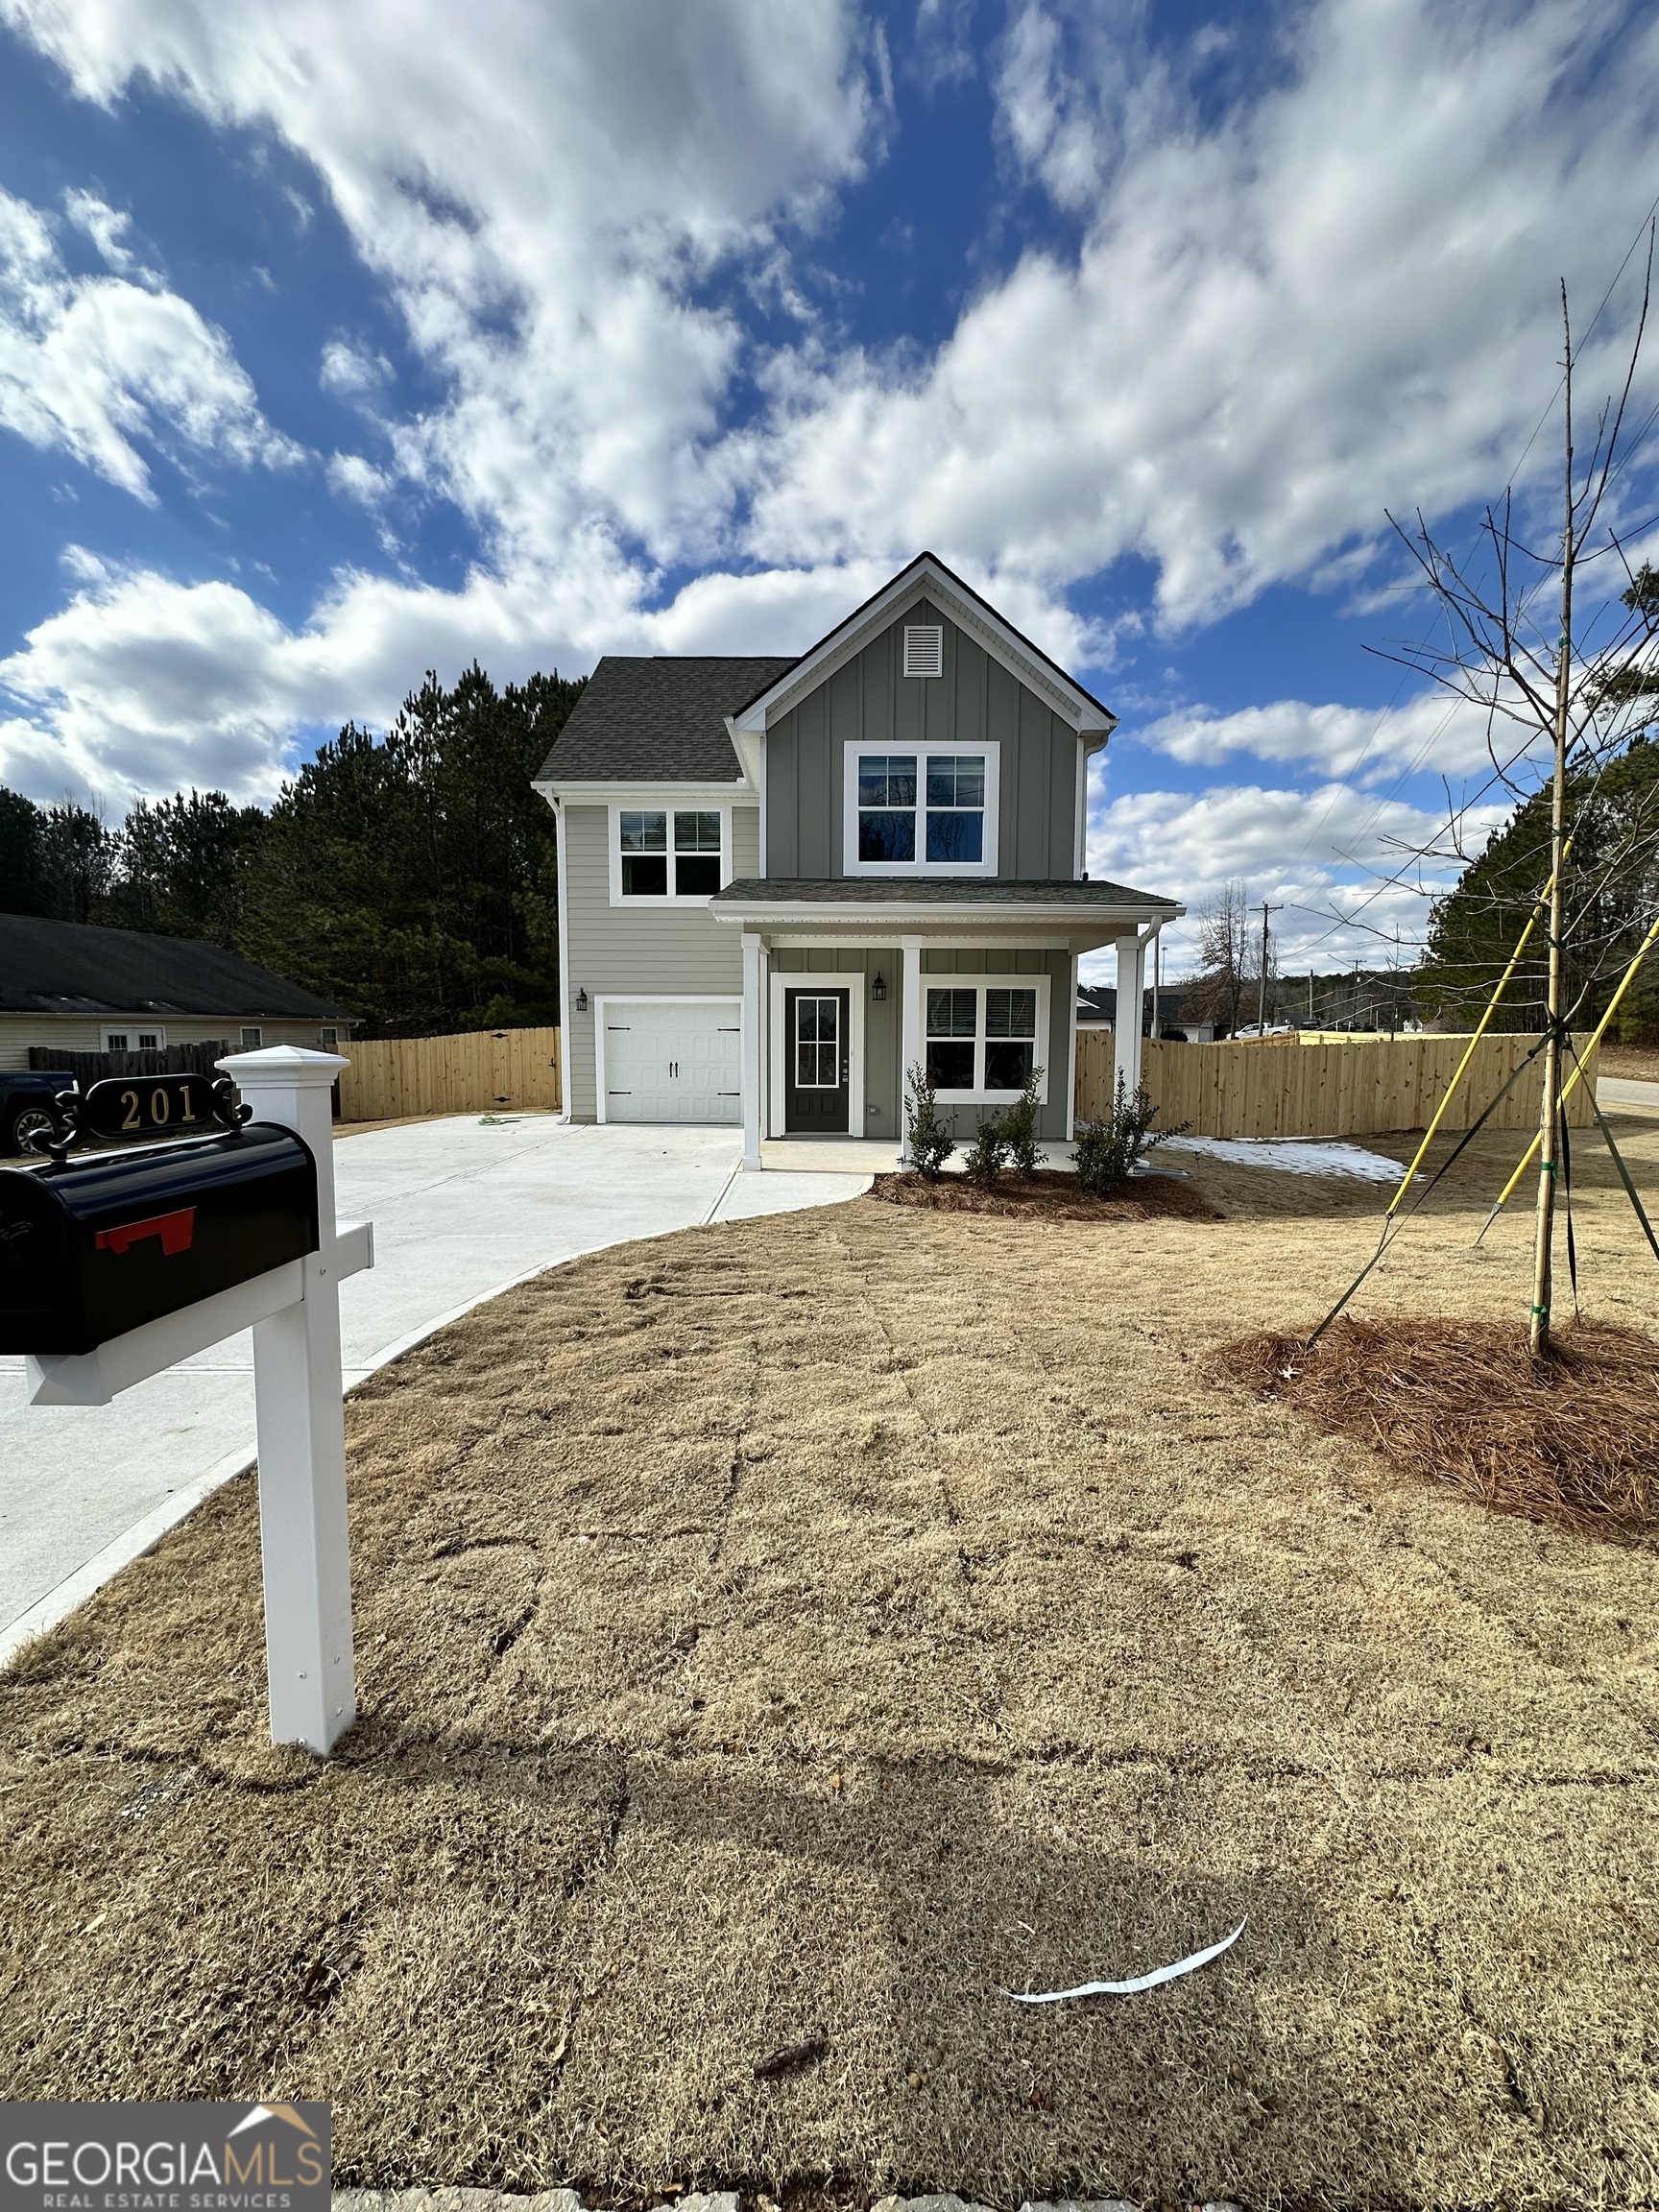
[
  {"x": 929, "y": 810},
  {"x": 668, "y": 853}
]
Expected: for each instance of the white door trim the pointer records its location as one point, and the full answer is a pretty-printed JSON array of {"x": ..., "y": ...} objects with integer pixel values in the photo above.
[
  {"x": 856, "y": 984},
  {"x": 645, "y": 999}
]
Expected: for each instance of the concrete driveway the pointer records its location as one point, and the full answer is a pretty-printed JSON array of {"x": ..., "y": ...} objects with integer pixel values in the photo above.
[
  {"x": 461, "y": 1209},
  {"x": 1626, "y": 1091}
]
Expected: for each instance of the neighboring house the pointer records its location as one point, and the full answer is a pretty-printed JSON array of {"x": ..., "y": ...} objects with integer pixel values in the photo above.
[
  {"x": 69, "y": 987},
  {"x": 784, "y": 882},
  {"x": 1098, "y": 1009}
]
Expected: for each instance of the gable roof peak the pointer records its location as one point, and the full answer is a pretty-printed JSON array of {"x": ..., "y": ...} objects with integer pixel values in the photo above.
[{"x": 970, "y": 611}]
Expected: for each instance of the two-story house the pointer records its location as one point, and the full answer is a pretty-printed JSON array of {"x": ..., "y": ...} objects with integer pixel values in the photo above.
[{"x": 783, "y": 883}]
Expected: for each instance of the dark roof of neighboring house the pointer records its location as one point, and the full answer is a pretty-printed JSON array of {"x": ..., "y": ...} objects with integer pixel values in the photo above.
[
  {"x": 76, "y": 967},
  {"x": 1100, "y": 1000},
  {"x": 660, "y": 720},
  {"x": 931, "y": 891}
]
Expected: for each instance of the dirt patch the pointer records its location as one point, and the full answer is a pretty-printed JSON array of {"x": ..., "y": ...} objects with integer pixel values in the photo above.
[
  {"x": 1050, "y": 1195},
  {"x": 831, "y": 1622},
  {"x": 1571, "y": 1438},
  {"x": 1634, "y": 1063}
]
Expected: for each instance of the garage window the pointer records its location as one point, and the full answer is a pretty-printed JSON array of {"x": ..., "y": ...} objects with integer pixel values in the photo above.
[{"x": 668, "y": 853}]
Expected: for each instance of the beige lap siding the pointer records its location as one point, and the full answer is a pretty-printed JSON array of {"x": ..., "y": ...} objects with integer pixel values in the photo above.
[
  {"x": 675, "y": 951},
  {"x": 86, "y": 1032}
]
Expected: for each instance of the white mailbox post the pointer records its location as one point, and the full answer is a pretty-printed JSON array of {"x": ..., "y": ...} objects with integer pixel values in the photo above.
[{"x": 294, "y": 1311}]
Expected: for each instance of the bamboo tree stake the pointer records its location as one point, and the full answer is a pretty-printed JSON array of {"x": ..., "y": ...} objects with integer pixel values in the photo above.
[
  {"x": 1485, "y": 1023},
  {"x": 1576, "y": 1077},
  {"x": 1549, "y": 1105}
]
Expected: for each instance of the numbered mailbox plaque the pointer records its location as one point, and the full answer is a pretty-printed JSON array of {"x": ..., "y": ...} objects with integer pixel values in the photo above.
[{"x": 127, "y": 1106}]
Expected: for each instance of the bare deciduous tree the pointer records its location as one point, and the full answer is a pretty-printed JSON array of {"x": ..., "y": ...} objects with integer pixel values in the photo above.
[{"x": 1558, "y": 701}]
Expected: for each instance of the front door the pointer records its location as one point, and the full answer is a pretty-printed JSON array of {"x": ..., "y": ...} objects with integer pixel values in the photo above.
[{"x": 817, "y": 1083}]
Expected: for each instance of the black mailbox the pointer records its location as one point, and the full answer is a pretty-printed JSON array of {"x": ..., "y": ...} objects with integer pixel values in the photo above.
[{"x": 90, "y": 1250}]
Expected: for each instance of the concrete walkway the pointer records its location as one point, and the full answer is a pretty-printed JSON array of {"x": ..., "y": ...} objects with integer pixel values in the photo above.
[{"x": 462, "y": 1207}]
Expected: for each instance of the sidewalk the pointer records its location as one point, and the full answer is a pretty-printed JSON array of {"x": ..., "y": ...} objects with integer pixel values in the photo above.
[{"x": 461, "y": 1208}]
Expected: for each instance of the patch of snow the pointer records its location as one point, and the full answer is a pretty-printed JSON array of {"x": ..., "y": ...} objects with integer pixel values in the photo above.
[{"x": 1294, "y": 1156}]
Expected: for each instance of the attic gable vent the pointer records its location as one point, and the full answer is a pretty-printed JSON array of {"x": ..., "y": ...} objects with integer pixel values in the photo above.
[{"x": 923, "y": 649}]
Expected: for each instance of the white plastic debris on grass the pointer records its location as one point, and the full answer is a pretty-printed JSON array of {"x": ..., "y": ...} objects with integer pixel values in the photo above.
[
  {"x": 1141, "y": 1982},
  {"x": 1294, "y": 1156}
]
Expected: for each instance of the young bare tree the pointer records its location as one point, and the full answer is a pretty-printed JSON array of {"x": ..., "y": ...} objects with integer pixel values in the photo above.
[
  {"x": 1562, "y": 697},
  {"x": 1225, "y": 951}
]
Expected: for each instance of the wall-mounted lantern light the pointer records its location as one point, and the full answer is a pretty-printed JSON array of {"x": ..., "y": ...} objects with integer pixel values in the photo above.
[
  {"x": 582, "y": 1000},
  {"x": 878, "y": 989}
]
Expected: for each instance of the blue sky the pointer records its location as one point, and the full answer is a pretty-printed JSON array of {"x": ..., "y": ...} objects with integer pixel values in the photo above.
[{"x": 339, "y": 344}]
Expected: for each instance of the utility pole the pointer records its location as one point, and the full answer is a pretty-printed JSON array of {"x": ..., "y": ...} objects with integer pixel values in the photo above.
[
  {"x": 1549, "y": 1111},
  {"x": 1262, "y": 989},
  {"x": 1311, "y": 1022}
]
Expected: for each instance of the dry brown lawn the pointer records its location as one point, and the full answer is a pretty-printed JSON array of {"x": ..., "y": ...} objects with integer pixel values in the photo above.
[{"x": 836, "y": 1622}]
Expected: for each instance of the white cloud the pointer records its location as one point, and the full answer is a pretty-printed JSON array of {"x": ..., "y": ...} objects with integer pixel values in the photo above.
[
  {"x": 1431, "y": 733},
  {"x": 1336, "y": 294},
  {"x": 1327, "y": 858},
  {"x": 1338, "y": 298},
  {"x": 95, "y": 366},
  {"x": 107, "y": 226},
  {"x": 352, "y": 371}
]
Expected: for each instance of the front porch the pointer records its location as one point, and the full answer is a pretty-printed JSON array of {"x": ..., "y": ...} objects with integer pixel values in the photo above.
[{"x": 849, "y": 984}]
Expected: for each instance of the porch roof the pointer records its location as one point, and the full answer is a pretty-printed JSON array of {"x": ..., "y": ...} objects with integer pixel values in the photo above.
[{"x": 940, "y": 899}]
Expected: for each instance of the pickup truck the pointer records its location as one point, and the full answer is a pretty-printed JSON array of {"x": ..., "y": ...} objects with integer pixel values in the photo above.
[{"x": 26, "y": 1106}]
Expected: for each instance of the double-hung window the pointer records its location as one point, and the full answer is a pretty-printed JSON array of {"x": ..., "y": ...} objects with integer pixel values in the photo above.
[
  {"x": 926, "y": 809},
  {"x": 667, "y": 852},
  {"x": 981, "y": 1037}
]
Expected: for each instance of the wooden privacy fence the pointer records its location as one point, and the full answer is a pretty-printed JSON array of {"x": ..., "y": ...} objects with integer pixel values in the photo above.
[
  {"x": 477, "y": 1072},
  {"x": 1358, "y": 1087}
]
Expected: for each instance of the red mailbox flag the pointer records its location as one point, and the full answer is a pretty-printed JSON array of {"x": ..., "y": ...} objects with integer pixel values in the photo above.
[{"x": 175, "y": 1230}]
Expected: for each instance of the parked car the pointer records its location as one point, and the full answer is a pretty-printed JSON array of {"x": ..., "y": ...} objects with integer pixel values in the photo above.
[{"x": 26, "y": 1096}]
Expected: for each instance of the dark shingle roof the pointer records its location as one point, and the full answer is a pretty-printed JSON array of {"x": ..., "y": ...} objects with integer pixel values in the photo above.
[
  {"x": 932, "y": 891},
  {"x": 648, "y": 721},
  {"x": 75, "y": 968}
]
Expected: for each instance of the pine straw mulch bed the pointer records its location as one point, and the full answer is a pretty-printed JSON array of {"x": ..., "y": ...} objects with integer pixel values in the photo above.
[
  {"x": 1573, "y": 1437},
  {"x": 1050, "y": 1195},
  {"x": 833, "y": 1621}
]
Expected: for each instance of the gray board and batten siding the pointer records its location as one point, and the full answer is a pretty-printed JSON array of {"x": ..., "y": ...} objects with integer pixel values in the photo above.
[
  {"x": 869, "y": 701},
  {"x": 679, "y": 952}
]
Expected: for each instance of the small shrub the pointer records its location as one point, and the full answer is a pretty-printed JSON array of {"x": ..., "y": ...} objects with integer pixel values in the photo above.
[
  {"x": 987, "y": 1152},
  {"x": 927, "y": 1131},
  {"x": 1020, "y": 1128},
  {"x": 1106, "y": 1151}
]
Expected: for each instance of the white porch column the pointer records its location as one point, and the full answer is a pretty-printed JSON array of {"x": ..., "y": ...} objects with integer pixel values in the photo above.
[
  {"x": 1126, "y": 1030},
  {"x": 754, "y": 1057},
  {"x": 1072, "y": 1060},
  {"x": 910, "y": 1045},
  {"x": 301, "y": 1433}
]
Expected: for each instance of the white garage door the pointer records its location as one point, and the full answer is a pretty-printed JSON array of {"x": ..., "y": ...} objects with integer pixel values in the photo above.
[{"x": 674, "y": 1062}]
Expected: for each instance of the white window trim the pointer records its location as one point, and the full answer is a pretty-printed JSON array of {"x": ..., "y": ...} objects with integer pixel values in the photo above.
[
  {"x": 851, "y": 865},
  {"x": 670, "y": 807},
  {"x": 979, "y": 1096},
  {"x": 605, "y": 1003},
  {"x": 131, "y": 1029},
  {"x": 856, "y": 984}
]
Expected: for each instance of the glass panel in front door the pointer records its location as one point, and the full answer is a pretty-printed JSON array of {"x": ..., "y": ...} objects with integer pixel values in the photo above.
[{"x": 817, "y": 1043}]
